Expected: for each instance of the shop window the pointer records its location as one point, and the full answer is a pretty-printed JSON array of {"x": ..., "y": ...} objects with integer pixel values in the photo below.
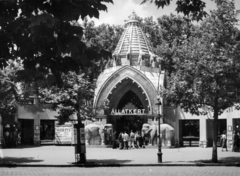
[
  {"x": 236, "y": 125},
  {"x": 189, "y": 133},
  {"x": 130, "y": 97},
  {"x": 47, "y": 130}
]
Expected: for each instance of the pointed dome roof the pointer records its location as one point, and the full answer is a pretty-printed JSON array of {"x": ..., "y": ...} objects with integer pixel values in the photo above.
[{"x": 133, "y": 40}]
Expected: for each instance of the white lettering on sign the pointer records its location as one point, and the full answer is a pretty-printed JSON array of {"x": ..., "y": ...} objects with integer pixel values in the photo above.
[{"x": 127, "y": 111}]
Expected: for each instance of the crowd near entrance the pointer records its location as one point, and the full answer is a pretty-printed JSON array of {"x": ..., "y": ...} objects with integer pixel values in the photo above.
[{"x": 129, "y": 123}]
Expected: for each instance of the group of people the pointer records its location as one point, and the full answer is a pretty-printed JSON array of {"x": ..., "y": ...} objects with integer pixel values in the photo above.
[
  {"x": 130, "y": 141},
  {"x": 235, "y": 142}
]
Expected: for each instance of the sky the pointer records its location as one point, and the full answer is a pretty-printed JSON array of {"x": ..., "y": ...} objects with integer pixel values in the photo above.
[{"x": 121, "y": 9}]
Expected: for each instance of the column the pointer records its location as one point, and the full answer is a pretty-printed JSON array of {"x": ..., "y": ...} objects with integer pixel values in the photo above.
[
  {"x": 37, "y": 130},
  {"x": 203, "y": 132},
  {"x": 229, "y": 128}
]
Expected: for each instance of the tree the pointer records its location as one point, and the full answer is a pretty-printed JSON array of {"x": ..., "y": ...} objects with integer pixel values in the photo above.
[
  {"x": 74, "y": 98},
  {"x": 208, "y": 68},
  {"x": 46, "y": 37},
  {"x": 194, "y": 9}
]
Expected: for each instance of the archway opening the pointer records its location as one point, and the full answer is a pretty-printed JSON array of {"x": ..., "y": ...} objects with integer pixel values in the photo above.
[{"x": 125, "y": 122}]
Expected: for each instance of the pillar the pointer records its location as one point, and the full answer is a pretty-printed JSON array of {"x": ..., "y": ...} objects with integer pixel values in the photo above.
[
  {"x": 229, "y": 133},
  {"x": 203, "y": 132},
  {"x": 36, "y": 139}
]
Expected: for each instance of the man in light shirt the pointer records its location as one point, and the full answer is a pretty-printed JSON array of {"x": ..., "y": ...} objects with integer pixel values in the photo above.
[{"x": 125, "y": 140}]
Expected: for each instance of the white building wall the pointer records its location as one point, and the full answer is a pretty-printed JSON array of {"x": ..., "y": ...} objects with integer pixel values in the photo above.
[{"x": 173, "y": 115}]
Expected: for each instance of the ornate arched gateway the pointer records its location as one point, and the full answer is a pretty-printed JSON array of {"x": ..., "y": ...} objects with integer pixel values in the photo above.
[
  {"x": 131, "y": 96},
  {"x": 130, "y": 82}
]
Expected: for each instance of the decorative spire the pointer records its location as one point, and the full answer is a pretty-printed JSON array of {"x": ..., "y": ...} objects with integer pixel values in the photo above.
[{"x": 133, "y": 47}]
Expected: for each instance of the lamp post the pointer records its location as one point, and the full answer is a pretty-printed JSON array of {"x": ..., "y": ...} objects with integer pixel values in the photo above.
[{"x": 158, "y": 103}]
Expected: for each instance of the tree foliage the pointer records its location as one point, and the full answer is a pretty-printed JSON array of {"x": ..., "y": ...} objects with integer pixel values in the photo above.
[
  {"x": 101, "y": 38},
  {"x": 75, "y": 98},
  {"x": 46, "y": 35},
  {"x": 193, "y": 9},
  {"x": 8, "y": 88}
]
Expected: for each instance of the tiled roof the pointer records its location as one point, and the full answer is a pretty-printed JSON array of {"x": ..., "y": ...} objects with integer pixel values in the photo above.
[{"x": 133, "y": 40}]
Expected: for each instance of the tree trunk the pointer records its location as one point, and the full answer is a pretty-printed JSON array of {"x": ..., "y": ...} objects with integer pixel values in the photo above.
[
  {"x": 81, "y": 146},
  {"x": 1, "y": 132},
  {"x": 79, "y": 118},
  {"x": 215, "y": 132}
]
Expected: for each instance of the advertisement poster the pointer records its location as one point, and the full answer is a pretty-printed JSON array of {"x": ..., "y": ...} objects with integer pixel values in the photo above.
[
  {"x": 64, "y": 134},
  {"x": 82, "y": 135},
  {"x": 36, "y": 137}
]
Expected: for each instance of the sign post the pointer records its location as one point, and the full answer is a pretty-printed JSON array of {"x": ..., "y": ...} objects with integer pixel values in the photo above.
[
  {"x": 79, "y": 142},
  {"x": 159, "y": 154}
]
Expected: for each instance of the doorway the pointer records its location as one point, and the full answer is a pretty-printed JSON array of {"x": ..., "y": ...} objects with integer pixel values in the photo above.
[
  {"x": 47, "y": 129},
  {"x": 27, "y": 131},
  {"x": 189, "y": 132},
  {"x": 236, "y": 125}
]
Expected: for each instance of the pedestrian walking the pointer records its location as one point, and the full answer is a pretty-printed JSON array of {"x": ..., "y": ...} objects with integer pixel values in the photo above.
[
  {"x": 120, "y": 140},
  {"x": 137, "y": 139},
  {"x": 125, "y": 140},
  {"x": 132, "y": 139},
  {"x": 224, "y": 140}
]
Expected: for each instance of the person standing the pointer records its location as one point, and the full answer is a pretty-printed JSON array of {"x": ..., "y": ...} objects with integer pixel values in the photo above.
[
  {"x": 235, "y": 142},
  {"x": 125, "y": 140},
  {"x": 224, "y": 140},
  {"x": 132, "y": 139},
  {"x": 238, "y": 144}
]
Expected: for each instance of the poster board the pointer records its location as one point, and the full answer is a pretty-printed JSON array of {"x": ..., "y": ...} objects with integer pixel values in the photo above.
[{"x": 64, "y": 134}]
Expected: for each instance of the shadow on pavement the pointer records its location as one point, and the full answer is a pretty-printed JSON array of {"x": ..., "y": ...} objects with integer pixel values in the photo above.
[
  {"x": 106, "y": 162},
  {"x": 16, "y": 160},
  {"x": 21, "y": 147},
  {"x": 231, "y": 159}
]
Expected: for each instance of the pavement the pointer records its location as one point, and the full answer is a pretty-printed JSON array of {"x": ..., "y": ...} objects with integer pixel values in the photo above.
[
  {"x": 120, "y": 171},
  {"x": 63, "y": 156}
]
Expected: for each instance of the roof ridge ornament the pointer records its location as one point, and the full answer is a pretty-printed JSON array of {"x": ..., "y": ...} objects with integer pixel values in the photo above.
[{"x": 132, "y": 18}]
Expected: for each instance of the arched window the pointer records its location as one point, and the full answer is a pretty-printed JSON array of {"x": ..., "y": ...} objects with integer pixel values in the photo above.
[{"x": 132, "y": 98}]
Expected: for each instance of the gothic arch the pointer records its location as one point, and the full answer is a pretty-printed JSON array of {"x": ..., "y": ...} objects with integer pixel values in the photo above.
[{"x": 122, "y": 80}]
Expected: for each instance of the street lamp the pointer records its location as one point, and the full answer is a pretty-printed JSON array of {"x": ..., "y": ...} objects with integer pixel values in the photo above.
[{"x": 158, "y": 103}]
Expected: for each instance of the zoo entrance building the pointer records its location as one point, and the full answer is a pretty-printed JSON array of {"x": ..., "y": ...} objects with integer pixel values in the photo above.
[{"x": 130, "y": 83}]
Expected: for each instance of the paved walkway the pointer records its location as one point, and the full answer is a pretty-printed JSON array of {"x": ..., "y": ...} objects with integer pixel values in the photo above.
[
  {"x": 64, "y": 156},
  {"x": 120, "y": 171}
]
